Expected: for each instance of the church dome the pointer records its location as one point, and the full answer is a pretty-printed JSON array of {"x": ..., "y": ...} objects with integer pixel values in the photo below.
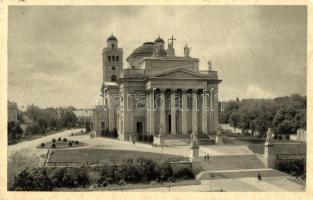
[
  {"x": 112, "y": 37},
  {"x": 159, "y": 39},
  {"x": 144, "y": 50}
]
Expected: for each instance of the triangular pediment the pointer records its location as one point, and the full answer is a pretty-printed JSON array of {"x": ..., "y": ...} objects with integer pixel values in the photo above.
[{"x": 179, "y": 73}]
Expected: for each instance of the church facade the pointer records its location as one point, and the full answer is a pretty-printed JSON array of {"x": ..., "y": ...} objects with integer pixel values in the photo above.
[{"x": 156, "y": 92}]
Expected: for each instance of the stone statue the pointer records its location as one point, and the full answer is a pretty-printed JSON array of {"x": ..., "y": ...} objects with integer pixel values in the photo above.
[
  {"x": 210, "y": 65},
  {"x": 219, "y": 131},
  {"x": 161, "y": 130},
  {"x": 187, "y": 51},
  {"x": 156, "y": 49},
  {"x": 194, "y": 140},
  {"x": 269, "y": 135}
]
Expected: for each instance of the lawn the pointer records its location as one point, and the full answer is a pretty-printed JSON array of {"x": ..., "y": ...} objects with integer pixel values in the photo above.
[
  {"x": 281, "y": 148},
  {"x": 104, "y": 156}
]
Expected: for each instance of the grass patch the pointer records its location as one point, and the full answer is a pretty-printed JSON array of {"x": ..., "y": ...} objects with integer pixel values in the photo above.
[{"x": 105, "y": 155}]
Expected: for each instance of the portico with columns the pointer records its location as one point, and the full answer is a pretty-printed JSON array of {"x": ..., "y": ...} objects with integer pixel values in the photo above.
[{"x": 179, "y": 98}]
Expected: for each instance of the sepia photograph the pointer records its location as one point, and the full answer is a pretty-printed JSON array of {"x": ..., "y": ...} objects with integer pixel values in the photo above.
[{"x": 156, "y": 98}]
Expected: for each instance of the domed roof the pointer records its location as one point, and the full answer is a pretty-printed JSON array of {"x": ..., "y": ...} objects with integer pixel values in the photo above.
[
  {"x": 112, "y": 37},
  {"x": 144, "y": 50},
  {"x": 159, "y": 39}
]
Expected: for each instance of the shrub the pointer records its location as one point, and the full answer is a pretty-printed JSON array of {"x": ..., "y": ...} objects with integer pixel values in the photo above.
[
  {"x": 293, "y": 167},
  {"x": 70, "y": 144},
  {"x": 64, "y": 139},
  {"x": 82, "y": 178},
  {"x": 53, "y": 140},
  {"x": 144, "y": 138},
  {"x": 114, "y": 133},
  {"x": 76, "y": 142},
  {"x": 150, "y": 139},
  {"x": 18, "y": 161},
  {"x": 183, "y": 173},
  {"x": 164, "y": 170},
  {"x": 106, "y": 132},
  {"x": 53, "y": 146},
  {"x": 280, "y": 137},
  {"x": 42, "y": 145},
  {"x": 59, "y": 139},
  {"x": 35, "y": 179}
]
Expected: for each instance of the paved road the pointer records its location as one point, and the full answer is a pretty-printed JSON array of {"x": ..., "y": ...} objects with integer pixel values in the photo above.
[{"x": 32, "y": 144}]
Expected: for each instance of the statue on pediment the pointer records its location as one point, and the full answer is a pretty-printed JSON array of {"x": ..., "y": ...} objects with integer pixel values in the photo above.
[{"x": 187, "y": 51}]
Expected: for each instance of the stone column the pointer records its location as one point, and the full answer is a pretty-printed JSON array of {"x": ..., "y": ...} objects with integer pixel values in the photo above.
[
  {"x": 194, "y": 113},
  {"x": 162, "y": 112},
  {"x": 184, "y": 112},
  {"x": 111, "y": 116},
  {"x": 173, "y": 113},
  {"x": 151, "y": 117},
  {"x": 204, "y": 114}
]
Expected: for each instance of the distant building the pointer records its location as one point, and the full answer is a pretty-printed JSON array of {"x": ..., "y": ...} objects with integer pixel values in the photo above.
[
  {"x": 12, "y": 111},
  {"x": 84, "y": 115}
]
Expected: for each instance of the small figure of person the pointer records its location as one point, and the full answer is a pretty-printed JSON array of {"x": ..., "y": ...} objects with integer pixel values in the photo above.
[
  {"x": 208, "y": 157},
  {"x": 259, "y": 177},
  {"x": 204, "y": 158},
  {"x": 133, "y": 142}
]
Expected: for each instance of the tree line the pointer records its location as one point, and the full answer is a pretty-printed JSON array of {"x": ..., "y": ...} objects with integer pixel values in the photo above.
[
  {"x": 39, "y": 121},
  {"x": 285, "y": 115}
]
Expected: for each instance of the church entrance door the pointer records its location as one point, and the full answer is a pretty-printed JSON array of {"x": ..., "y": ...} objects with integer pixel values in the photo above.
[
  {"x": 139, "y": 128},
  {"x": 169, "y": 125}
]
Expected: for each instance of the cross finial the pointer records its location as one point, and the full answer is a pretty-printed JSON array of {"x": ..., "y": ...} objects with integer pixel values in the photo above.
[{"x": 172, "y": 39}]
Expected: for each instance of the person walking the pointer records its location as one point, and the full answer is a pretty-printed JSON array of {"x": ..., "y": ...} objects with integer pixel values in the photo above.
[
  {"x": 208, "y": 157},
  {"x": 204, "y": 158},
  {"x": 259, "y": 177}
]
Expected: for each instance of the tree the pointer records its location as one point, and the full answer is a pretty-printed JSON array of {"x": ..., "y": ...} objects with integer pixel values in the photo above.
[
  {"x": 14, "y": 130},
  {"x": 42, "y": 125},
  {"x": 234, "y": 119}
]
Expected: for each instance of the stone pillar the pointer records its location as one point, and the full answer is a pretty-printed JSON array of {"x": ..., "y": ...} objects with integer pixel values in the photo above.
[
  {"x": 151, "y": 117},
  {"x": 111, "y": 118},
  {"x": 162, "y": 112},
  {"x": 269, "y": 157},
  {"x": 184, "y": 112},
  {"x": 194, "y": 113},
  {"x": 204, "y": 114},
  {"x": 173, "y": 113}
]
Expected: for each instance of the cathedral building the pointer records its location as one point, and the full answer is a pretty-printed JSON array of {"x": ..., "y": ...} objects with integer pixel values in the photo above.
[{"x": 156, "y": 93}]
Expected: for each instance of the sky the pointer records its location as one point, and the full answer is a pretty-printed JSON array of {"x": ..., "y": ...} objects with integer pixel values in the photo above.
[{"x": 54, "y": 52}]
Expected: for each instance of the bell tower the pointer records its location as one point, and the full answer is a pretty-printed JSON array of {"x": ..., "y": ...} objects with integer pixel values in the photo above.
[{"x": 112, "y": 60}]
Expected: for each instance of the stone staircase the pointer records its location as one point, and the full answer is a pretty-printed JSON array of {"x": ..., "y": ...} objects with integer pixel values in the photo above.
[
  {"x": 184, "y": 140},
  {"x": 235, "y": 166}
]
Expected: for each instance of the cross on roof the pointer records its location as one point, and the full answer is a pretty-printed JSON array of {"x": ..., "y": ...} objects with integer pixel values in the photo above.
[{"x": 172, "y": 39}]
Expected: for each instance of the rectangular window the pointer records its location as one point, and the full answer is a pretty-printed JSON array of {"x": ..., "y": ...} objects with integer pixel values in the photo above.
[
  {"x": 117, "y": 58},
  {"x": 109, "y": 58},
  {"x": 102, "y": 125}
]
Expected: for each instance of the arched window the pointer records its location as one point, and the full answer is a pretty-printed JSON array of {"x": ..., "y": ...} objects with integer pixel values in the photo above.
[
  {"x": 113, "y": 78},
  {"x": 113, "y": 46}
]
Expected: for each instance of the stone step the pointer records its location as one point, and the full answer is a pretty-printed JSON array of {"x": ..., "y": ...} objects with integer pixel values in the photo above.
[
  {"x": 239, "y": 173},
  {"x": 232, "y": 162}
]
